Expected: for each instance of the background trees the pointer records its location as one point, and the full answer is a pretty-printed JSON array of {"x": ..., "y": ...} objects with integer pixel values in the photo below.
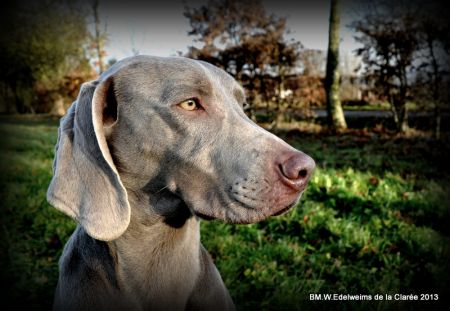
[
  {"x": 250, "y": 45},
  {"x": 432, "y": 82},
  {"x": 43, "y": 55},
  {"x": 98, "y": 38},
  {"x": 389, "y": 43},
  {"x": 400, "y": 46},
  {"x": 335, "y": 114},
  {"x": 48, "y": 48}
]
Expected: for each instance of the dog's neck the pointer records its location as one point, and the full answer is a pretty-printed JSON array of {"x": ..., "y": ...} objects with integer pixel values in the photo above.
[{"x": 161, "y": 243}]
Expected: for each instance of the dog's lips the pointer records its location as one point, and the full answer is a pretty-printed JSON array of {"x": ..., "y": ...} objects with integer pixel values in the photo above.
[
  {"x": 279, "y": 201},
  {"x": 203, "y": 216},
  {"x": 289, "y": 206},
  {"x": 283, "y": 210}
]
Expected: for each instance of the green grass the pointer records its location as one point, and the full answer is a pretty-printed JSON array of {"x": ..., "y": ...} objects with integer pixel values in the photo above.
[
  {"x": 381, "y": 106},
  {"x": 31, "y": 230},
  {"x": 374, "y": 220},
  {"x": 372, "y": 106}
]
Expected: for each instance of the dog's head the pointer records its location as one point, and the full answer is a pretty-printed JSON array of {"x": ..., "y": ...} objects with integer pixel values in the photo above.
[{"x": 171, "y": 126}]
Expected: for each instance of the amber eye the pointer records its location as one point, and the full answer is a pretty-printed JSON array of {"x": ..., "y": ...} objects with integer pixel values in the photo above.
[{"x": 190, "y": 104}]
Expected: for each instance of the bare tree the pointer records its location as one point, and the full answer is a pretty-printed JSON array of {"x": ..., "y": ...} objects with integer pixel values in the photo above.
[
  {"x": 313, "y": 62},
  {"x": 41, "y": 64},
  {"x": 99, "y": 38},
  {"x": 432, "y": 87},
  {"x": 249, "y": 44},
  {"x": 389, "y": 39},
  {"x": 336, "y": 117}
]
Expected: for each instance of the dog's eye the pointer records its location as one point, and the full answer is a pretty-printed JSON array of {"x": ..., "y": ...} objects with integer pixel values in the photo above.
[{"x": 190, "y": 104}]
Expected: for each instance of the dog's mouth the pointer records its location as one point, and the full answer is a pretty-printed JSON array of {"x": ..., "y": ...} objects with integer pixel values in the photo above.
[
  {"x": 204, "y": 217},
  {"x": 279, "y": 212},
  {"x": 289, "y": 206},
  {"x": 285, "y": 209}
]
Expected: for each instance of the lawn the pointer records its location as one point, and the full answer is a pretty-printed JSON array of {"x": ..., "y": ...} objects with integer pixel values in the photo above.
[{"x": 374, "y": 220}]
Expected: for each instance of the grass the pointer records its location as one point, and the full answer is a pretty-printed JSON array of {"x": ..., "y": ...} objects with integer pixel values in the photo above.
[
  {"x": 372, "y": 106},
  {"x": 411, "y": 106},
  {"x": 374, "y": 220}
]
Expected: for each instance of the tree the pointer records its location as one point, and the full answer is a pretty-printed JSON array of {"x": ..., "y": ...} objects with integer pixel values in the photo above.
[
  {"x": 99, "y": 38},
  {"x": 241, "y": 38},
  {"x": 388, "y": 35},
  {"x": 336, "y": 117},
  {"x": 38, "y": 60},
  {"x": 434, "y": 56},
  {"x": 313, "y": 62}
]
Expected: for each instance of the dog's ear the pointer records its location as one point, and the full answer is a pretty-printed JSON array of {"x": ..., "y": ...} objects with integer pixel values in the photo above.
[{"x": 86, "y": 184}]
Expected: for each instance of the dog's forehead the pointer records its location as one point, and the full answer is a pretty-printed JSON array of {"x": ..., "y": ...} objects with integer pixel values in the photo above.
[
  {"x": 172, "y": 68},
  {"x": 173, "y": 72},
  {"x": 200, "y": 75}
]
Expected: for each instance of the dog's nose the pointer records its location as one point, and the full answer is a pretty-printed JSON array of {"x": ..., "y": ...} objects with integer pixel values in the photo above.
[{"x": 296, "y": 169}]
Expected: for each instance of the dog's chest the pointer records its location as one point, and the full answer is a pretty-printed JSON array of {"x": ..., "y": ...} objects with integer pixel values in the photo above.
[{"x": 162, "y": 274}]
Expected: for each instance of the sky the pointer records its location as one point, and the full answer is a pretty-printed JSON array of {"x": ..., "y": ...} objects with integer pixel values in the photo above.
[{"x": 161, "y": 29}]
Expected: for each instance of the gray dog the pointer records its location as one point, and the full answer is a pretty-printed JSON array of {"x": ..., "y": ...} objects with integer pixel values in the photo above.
[{"x": 147, "y": 150}]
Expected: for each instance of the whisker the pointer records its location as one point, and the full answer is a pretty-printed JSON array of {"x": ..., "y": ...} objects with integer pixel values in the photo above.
[{"x": 165, "y": 187}]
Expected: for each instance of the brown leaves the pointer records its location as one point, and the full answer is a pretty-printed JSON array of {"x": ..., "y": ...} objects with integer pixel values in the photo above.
[
  {"x": 374, "y": 181},
  {"x": 246, "y": 42}
]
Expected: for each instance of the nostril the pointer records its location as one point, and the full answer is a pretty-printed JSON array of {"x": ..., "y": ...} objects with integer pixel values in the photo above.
[
  {"x": 280, "y": 167},
  {"x": 303, "y": 173},
  {"x": 297, "y": 167},
  {"x": 293, "y": 173}
]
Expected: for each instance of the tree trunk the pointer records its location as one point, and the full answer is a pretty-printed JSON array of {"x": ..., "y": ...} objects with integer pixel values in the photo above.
[
  {"x": 437, "y": 122},
  {"x": 335, "y": 116},
  {"x": 18, "y": 104},
  {"x": 280, "y": 101},
  {"x": 436, "y": 81},
  {"x": 400, "y": 114},
  {"x": 58, "y": 109},
  {"x": 403, "y": 124},
  {"x": 98, "y": 37}
]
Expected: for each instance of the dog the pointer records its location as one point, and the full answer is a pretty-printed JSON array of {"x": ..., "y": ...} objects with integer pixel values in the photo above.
[{"x": 145, "y": 152}]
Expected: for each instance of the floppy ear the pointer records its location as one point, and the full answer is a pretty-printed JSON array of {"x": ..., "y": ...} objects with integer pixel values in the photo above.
[{"x": 86, "y": 184}]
